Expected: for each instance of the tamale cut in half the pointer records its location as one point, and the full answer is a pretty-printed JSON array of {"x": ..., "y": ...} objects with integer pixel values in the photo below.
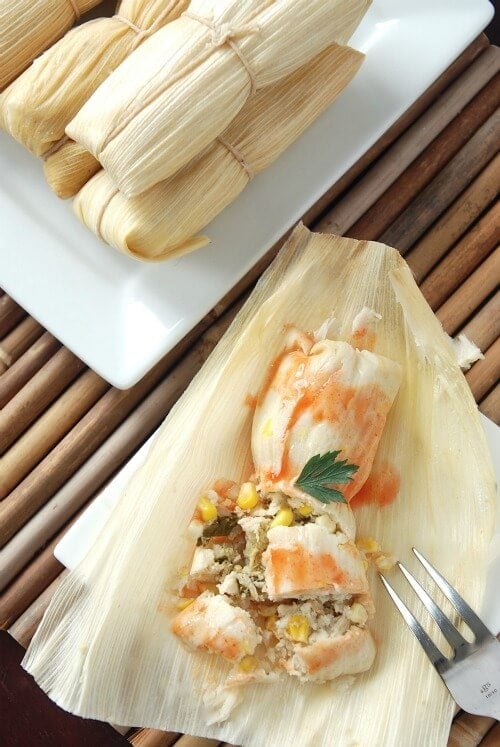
[
  {"x": 105, "y": 648},
  {"x": 36, "y": 108},
  {"x": 162, "y": 222},
  {"x": 183, "y": 86},
  {"x": 28, "y": 27}
]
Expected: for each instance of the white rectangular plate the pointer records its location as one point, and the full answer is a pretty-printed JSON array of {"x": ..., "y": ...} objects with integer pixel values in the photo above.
[
  {"x": 78, "y": 540},
  {"x": 121, "y": 316}
]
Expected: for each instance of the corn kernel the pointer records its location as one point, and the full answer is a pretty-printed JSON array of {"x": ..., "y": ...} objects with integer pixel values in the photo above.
[
  {"x": 248, "y": 497},
  {"x": 305, "y": 509},
  {"x": 284, "y": 518},
  {"x": 367, "y": 544},
  {"x": 183, "y": 603},
  {"x": 298, "y": 628},
  {"x": 358, "y": 614},
  {"x": 385, "y": 562},
  {"x": 248, "y": 664},
  {"x": 208, "y": 511}
]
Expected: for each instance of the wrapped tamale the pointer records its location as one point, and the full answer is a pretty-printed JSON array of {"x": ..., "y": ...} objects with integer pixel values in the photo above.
[
  {"x": 28, "y": 27},
  {"x": 36, "y": 108},
  {"x": 68, "y": 167},
  {"x": 171, "y": 97},
  {"x": 105, "y": 648},
  {"x": 163, "y": 221}
]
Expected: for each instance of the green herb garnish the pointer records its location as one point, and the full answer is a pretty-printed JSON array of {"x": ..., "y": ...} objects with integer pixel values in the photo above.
[{"x": 321, "y": 472}]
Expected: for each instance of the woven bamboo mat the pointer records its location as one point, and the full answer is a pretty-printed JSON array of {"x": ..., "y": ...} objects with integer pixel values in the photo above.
[{"x": 429, "y": 187}]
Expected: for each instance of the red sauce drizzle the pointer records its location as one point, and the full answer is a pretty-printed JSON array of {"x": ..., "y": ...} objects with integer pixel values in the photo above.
[{"x": 381, "y": 488}]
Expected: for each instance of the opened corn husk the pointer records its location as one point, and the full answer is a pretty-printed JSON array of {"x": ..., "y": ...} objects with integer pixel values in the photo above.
[
  {"x": 162, "y": 222},
  {"x": 36, "y": 108},
  {"x": 28, "y": 27},
  {"x": 185, "y": 84},
  {"x": 104, "y": 648}
]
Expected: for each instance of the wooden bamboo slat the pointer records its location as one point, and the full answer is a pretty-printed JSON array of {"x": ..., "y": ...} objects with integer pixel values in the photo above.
[
  {"x": 10, "y": 314},
  {"x": 24, "y": 628},
  {"x": 153, "y": 738},
  {"x": 468, "y": 730},
  {"x": 443, "y": 189},
  {"x": 492, "y": 738},
  {"x": 428, "y": 165},
  {"x": 29, "y": 585},
  {"x": 490, "y": 405},
  {"x": 463, "y": 259},
  {"x": 18, "y": 341},
  {"x": 48, "y": 430},
  {"x": 20, "y": 373},
  {"x": 459, "y": 306},
  {"x": 484, "y": 374},
  {"x": 413, "y": 141},
  {"x": 456, "y": 220},
  {"x": 484, "y": 327},
  {"x": 37, "y": 395}
]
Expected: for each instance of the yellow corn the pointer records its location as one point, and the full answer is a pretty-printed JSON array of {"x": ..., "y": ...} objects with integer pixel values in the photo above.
[
  {"x": 298, "y": 628},
  {"x": 248, "y": 664},
  {"x": 284, "y": 518},
  {"x": 208, "y": 511},
  {"x": 183, "y": 603},
  {"x": 248, "y": 497},
  {"x": 305, "y": 509},
  {"x": 367, "y": 544},
  {"x": 358, "y": 613},
  {"x": 385, "y": 562}
]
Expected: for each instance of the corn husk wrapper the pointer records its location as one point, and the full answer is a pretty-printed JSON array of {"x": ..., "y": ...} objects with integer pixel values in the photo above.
[
  {"x": 68, "y": 168},
  {"x": 104, "y": 648},
  {"x": 161, "y": 223},
  {"x": 28, "y": 27},
  {"x": 36, "y": 108},
  {"x": 159, "y": 110}
]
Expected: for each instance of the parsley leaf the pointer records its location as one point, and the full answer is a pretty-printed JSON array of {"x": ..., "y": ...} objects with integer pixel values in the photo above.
[{"x": 322, "y": 471}]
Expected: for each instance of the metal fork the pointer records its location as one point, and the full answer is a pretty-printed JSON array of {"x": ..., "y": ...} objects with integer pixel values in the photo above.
[{"x": 473, "y": 674}]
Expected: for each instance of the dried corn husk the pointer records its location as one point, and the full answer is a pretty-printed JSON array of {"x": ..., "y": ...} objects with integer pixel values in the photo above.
[
  {"x": 162, "y": 222},
  {"x": 28, "y": 27},
  {"x": 104, "y": 648},
  {"x": 36, "y": 108},
  {"x": 185, "y": 84},
  {"x": 68, "y": 168}
]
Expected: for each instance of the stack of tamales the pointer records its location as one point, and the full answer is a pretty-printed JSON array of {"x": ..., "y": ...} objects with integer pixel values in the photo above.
[
  {"x": 36, "y": 108},
  {"x": 183, "y": 86},
  {"x": 162, "y": 222},
  {"x": 28, "y": 27},
  {"x": 182, "y": 103}
]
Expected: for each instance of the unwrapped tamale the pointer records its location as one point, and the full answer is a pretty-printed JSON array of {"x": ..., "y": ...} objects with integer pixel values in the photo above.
[
  {"x": 36, "y": 108},
  {"x": 105, "y": 648},
  {"x": 162, "y": 222},
  {"x": 170, "y": 98}
]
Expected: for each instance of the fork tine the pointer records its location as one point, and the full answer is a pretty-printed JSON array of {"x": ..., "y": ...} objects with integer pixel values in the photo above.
[
  {"x": 447, "y": 629},
  {"x": 433, "y": 653},
  {"x": 467, "y": 614}
]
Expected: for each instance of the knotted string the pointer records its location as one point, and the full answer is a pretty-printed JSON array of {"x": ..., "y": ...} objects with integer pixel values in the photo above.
[
  {"x": 238, "y": 155},
  {"x": 141, "y": 33},
  {"x": 222, "y": 34},
  {"x": 76, "y": 9}
]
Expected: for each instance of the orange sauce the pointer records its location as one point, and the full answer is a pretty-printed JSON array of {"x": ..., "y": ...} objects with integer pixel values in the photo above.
[
  {"x": 306, "y": 571},
  {"x": 380, "y": 489},
  {"x": 364, "y": 338},
  {"x": 250, "y": 401}
]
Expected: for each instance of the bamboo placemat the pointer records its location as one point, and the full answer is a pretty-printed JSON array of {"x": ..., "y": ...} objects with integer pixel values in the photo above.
[{"x": 429, "y": 187}]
